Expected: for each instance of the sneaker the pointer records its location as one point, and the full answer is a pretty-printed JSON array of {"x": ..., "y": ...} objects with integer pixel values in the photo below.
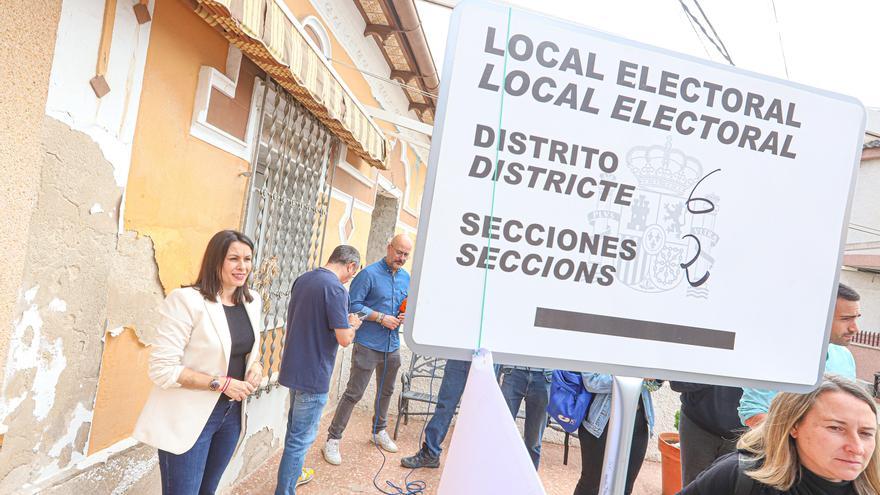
[
  {"x": 421, "y": 459},
  {"x": 383, "y": 440},
  {"x": 331, "y": 452},
  {"x": 307, "y": 475}
]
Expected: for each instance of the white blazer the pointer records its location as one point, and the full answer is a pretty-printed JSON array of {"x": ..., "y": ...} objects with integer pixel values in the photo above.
[{"x": 193, "y": 333}]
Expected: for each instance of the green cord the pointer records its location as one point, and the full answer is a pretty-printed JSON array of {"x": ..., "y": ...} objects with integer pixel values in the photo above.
[{"x": 494, "y": 178}]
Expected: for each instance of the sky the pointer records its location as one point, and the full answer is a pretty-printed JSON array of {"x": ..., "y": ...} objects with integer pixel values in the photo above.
[{"x": 828, "y": 45}]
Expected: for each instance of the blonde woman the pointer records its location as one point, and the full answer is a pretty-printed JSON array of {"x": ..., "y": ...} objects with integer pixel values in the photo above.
[
  {"x": 820, "y": 443},
  {"x": 204, "y": 363}
]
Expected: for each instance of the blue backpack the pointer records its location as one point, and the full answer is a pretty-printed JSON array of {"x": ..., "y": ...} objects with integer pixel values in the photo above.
[{"x": 569, "y": 400}]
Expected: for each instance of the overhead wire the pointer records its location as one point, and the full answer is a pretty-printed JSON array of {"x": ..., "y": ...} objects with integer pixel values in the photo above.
[
  {"x": 703, "y": 13},
  {"x": 722, "y": 51},
  {"x": 694, "y": 28},
  {"x": 779, "y": 35}
]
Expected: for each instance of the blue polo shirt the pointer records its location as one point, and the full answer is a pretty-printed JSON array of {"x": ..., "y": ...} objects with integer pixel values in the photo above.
[
  {"x": 318, "y": 305},
  {"x": 378, "y": 288},
  {"x": 838, "y": 361}
]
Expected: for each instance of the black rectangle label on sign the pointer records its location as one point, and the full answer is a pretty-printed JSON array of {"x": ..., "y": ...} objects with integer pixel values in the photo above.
[{"x": 635, "y": 329}]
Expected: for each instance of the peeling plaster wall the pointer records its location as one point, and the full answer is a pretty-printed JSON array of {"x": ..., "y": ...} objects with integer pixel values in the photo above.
[
  {"x": 80, "y": 277},
  {"x": 136, "y": 471},
  {"x": 26, "y": 56},
  {"x": 266, "y": 427},
  {"x": 181, "y": 190},
  {"x": 110, "y": 120}
]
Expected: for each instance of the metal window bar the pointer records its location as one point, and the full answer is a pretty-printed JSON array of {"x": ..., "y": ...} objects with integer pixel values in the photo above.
[
  {"x": 867, "y": 338},
  {"x": 286, "y": 209}
]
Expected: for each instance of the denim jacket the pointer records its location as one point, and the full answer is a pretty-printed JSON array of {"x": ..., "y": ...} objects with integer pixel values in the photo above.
[{"x": 600, "y": 409}]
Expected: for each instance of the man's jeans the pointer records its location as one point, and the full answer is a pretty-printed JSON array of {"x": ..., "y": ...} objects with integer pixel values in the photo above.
[
  {"x": 198, "y": 470},
  {"x": 533, "y": 385},
  {"x": 454, "y": 377},
  {"x": 302, "y": 428},
  {"x": 363, "y": 361}
]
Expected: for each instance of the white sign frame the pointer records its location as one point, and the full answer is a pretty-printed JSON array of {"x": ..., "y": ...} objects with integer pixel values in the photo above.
[{"x": 452, "y": 318}]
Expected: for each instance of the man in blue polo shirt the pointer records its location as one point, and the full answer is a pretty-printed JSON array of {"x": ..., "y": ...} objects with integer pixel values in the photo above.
[
  {"x": 755, "y": 402},
  {"x": 377, "y": 292},
  {"x": 318, "y": 322}
]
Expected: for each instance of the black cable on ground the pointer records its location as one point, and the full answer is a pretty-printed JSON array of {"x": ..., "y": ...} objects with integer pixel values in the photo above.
[{"x": 415, "y": 487}]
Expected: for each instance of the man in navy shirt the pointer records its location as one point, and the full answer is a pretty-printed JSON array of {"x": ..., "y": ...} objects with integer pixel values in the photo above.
[
  {"x": 318, "y": 322},
  {"x": 376, "y": 292}
]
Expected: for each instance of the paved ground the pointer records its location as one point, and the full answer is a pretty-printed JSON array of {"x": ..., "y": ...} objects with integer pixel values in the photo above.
[{"x": 361, "y": 461}]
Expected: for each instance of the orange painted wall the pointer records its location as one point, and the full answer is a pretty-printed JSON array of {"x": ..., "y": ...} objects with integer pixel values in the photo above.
[
  {"x": 181, "y": 190},
  {"x": 123, "y": 387}
]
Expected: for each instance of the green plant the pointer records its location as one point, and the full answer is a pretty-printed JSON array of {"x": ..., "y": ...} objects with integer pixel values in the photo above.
[{"x": 677, "y": 419}]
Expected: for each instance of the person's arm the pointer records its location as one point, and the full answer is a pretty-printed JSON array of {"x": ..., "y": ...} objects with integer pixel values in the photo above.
[
  {"x": 357, "y": 293},
  {"x": 172, "y": 336},
  {"x": 254, "y": 374},
  {"x": 753, "y": 405},
  {"x": 342, "y": 323},
  {"x": 597, "y": 383},
  {"x": 388, "y": 321},
  {"x": 232, "y": 388},
  {"x": 345, "y": 336}
]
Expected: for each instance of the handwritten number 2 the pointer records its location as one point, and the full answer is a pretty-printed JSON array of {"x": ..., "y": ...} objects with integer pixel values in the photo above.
[
  {"x": 702, "y": 280},
  {"x": 690, "y": 203}
]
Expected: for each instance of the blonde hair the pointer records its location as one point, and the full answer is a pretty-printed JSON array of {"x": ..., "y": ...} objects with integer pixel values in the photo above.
[{"x": 774, "y": 449}]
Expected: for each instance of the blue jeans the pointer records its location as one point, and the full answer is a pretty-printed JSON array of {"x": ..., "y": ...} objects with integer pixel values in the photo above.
[
  {"x": 302, "y": 428},
  {"x": 198, "y": 470},
  {"x": 454, "y": 377},
  {"x": 533, "y": 386}
]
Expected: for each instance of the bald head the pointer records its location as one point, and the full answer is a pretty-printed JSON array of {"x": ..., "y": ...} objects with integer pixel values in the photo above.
[{"x": 398, "y": 251}]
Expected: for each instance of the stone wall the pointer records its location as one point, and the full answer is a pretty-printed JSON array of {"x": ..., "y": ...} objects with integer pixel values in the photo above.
[{"x": 80, "y": 279}]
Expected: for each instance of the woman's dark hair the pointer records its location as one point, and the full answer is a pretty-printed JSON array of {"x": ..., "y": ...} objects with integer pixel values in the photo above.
[{"x": 208, "y": 282}]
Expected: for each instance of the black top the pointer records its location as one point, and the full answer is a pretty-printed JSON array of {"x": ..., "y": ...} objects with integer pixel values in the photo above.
[
  {"x": 242, "y": 335},
  {"x": 720, "y": 479},
  {"x": 712, "y": 407}
]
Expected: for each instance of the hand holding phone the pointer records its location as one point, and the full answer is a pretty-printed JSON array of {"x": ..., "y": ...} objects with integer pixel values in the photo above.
[{"x": 353, "y": 321}]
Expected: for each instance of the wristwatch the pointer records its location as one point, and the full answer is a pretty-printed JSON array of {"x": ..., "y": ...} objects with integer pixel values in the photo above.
[{"x": 215, "y": 384}]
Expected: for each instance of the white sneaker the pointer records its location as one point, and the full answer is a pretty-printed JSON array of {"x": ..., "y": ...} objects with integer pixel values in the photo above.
[
  {"x": 383, "y": 440},
  {"x": 331, "y": 452}
]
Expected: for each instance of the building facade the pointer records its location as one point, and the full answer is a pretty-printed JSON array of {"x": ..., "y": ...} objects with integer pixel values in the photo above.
[{"x": 136, "y": 130}]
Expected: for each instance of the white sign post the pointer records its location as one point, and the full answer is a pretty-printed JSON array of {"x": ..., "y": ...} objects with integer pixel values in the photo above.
[{"x": 598, "y": 204}]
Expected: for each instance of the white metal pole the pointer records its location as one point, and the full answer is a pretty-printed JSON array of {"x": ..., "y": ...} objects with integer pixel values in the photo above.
[{"x": 625, "y": 392}]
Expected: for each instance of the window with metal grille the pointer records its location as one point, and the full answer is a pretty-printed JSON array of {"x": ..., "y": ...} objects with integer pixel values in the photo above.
[{"x": 286, "y": 209}]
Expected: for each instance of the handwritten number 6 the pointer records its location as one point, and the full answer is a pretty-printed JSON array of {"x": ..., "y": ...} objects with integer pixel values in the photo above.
[{"x": 692, "y": 199}]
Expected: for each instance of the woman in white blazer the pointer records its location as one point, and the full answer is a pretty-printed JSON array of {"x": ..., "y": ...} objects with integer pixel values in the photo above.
[{"x": 204, "y": 363}]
